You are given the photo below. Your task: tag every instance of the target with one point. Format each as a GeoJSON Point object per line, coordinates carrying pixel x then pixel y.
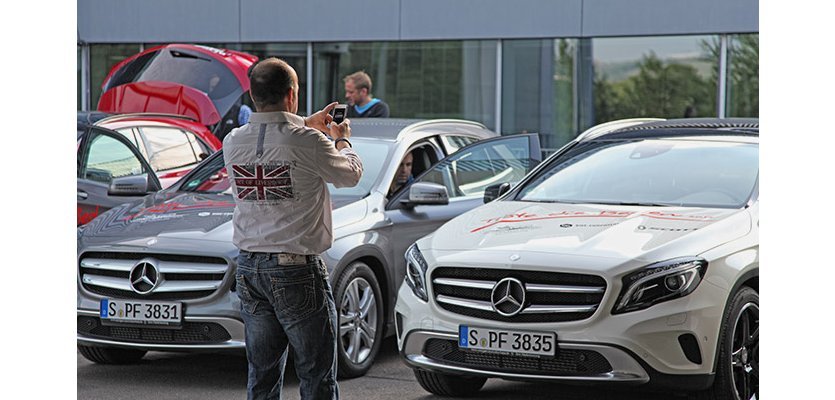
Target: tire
{"type": "Point", "coordinates": [449, 385]}
{"type": "Point", "coordinates": [110, 355]}
{"type": "Point", "coordinates": [737, 370]}
{"type": "Point", "coordinates": [359, 308]}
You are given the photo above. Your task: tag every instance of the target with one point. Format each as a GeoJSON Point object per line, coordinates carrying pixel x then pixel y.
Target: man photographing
{"type": "Point", "coordinates": [279, 164]}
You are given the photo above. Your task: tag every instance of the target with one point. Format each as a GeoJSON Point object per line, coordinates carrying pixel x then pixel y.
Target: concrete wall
{"type": "Point", "coordinates": [147, 21]}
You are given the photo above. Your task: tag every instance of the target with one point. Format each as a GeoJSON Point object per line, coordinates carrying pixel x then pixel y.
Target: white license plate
{"type": "Point", "coordinates": [141, 312]}
{"type": "Point", "coordinates": [508, 341]}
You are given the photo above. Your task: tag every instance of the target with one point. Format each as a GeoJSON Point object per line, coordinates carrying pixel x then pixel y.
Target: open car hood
{"type": "Point", "coordinates": [160, 97]}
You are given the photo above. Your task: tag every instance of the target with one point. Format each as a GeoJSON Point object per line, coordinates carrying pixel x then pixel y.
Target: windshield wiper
{"type": "Point", "coordinates": [611, 203]}
{"type": "Point", "coordinates": [556, 201]}
{"type": "Point", "coordinates": [628, 203]}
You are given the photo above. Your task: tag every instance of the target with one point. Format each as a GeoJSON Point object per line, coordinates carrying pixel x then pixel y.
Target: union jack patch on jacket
{"type": "Point", "coordinates": [263, 182]}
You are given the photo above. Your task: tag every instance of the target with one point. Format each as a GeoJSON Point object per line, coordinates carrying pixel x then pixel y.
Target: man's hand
{"type": "Point", "coordinates": [342, 130]}
{"type": "Point", "coordinates": [320, 119]}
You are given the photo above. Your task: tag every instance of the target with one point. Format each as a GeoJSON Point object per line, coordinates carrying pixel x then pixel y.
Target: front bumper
{"type": "Point", "coordinates": [639, 347]}
{"type": "Point", "coordinates": [624, 369]}
{"type": "Point", "coordinates": [211, 317]}
{"type": "Point", "coordinates": [199, 334]}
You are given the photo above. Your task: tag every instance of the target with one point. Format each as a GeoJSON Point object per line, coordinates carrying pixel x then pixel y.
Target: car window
{"type": "Point", "coordinates": [108, 158]}
{"type": "Point", "coordinates": [132, 135]}
{"type": "Point", "coordinates": [374, 155]}
{"type": "Point", "coordinates": [198, 146]}
{"type": "Point", "coordinates": [453, 143]}
{"type": "Point", "coordinates": [170, 148]}
{"type": "Point", "coordinates": [420, 157]}
{"type": "Point", "coordinates": [210, 177]}
{"type": "Point", "coordinates": [686, 173]}
{"type": "Point", "coordinates": [468, 172]}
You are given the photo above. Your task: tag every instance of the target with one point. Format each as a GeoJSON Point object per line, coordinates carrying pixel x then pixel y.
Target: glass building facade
{"type": "Point", "coordinates": [554, 87]}
{"type": "Point", "coordinates": [540, 91]}
{"type": "Point", "coordinates": [665, 77]}
{"type": "Point", "coordinates": [439, 79]}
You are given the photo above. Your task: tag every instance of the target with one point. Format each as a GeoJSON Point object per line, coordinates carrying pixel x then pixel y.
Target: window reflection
{"type": "Point", "coordinates": [449, 79]}
{"type": "Point", "coordinates": [539, 89]}
{"type": "Point", "coordinates": [743, 76]}
{"type": "Point", "coordinates": [665, 77]}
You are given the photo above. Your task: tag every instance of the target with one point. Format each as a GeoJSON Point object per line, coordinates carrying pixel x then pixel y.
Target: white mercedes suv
{"type": "Point", "coordinates": [629, 256]}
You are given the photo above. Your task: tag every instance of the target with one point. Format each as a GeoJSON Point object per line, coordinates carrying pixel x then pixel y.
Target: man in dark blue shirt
{"type": "Point", "coordinates": [358, 96]}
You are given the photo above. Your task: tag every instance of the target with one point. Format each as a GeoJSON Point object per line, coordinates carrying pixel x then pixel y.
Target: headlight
{"type": "Point", "coordinates": [416, 272]}
{"type": "Point", "coordinates": [660, 282]}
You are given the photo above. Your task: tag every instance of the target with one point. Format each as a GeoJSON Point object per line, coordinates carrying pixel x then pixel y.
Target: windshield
{"type": "Point", "coordinates": [211, 176]}
{"type": "Point", "coordinates": [687, 173]}
{"type": "Point", "coordinates": [374, 155]}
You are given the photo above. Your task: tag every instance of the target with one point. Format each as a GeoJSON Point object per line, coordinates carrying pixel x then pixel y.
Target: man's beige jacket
{"type": "Point", "coordinates": [279, 169]}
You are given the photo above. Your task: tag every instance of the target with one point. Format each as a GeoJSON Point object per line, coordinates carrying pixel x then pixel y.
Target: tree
{"type": "Point", "coordinates": [564, 97]}
{"type": "Point", "coordinates": [744, 76]}
{"type": "Point", "coordinates": [742, 98]}
{"type": "Point", "coordinates": [659, 89]}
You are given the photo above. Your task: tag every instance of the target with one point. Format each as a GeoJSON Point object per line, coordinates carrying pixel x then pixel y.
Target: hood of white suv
{"type": "Point", "coordinates": [623, 232]}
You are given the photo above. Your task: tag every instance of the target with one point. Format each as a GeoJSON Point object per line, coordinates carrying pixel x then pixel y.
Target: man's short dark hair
{"type": "Point", "coordinates": [269, 81]}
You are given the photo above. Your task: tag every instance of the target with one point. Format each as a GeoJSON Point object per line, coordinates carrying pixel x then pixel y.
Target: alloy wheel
{"type": "Point", "coordinates": [358, 320]}
{"type": "Point", "coordinates": [745, 353]}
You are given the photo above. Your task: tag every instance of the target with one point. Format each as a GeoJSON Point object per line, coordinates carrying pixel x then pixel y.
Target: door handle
{"type": "Point", "coordinates": [82, 195]}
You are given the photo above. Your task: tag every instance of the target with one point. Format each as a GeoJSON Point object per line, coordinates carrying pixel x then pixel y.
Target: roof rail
{"type": "Point", "coordinates": [611, 126]}
{"type": "Point", "coordinates": [134, 115]}
{"type": "Point", "coordinates": [418, 125]}
{"type": "Point", "coordinates": [698, 123]}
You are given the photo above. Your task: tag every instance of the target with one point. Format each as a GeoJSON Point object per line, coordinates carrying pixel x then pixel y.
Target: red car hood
{"type": "Point", "coordinates": [160, 97]}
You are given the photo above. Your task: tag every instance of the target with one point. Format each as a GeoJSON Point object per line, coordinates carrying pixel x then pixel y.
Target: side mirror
{"type": "Point", "coordinates": [425, 193]}
{"type": "Point", "coordinates": [493, 192]}
{"type": "Point", "coordinates": [136, 185]}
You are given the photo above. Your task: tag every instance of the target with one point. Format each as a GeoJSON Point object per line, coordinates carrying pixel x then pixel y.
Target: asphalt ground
{"type": "Point", "coordinates": [223, 376]}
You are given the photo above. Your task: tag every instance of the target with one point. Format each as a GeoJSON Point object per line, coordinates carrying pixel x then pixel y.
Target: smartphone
{"type": "Point", "coordinates": [339, 113]}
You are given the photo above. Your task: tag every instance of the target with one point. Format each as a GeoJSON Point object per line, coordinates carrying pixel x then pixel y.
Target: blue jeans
{"type": "Point", "coordinates": [281, 305]}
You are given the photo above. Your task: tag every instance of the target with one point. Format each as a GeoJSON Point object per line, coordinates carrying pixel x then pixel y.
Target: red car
{"type": "Point", "coordinates": [156, 149]}
{"type": "Point", "coordinates": [173, 145]}
{"type": "Point", "coordinates": [201, 82]}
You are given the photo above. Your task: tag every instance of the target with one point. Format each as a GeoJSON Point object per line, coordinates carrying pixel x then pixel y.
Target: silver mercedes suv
{"type": "Point", "coordinates": [158, 273]}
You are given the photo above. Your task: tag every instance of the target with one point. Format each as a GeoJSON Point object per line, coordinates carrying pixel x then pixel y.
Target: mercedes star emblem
{"type": "Point", "coordinates": [508, 297]}
{"type": "Point", "coordinates": [144, 276]}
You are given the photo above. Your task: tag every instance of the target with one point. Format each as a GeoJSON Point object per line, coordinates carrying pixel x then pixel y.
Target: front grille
{"type": "Point", "coordinates": [181, 277]}
{"type": "Point", "coordinates": [566, 362]}
{"type": "Point", "coordinates": [123, 294]}
{"type": "Point", "coordinates": [159, 256]}
{"type": "Point", "coordinates": [190, 333]}
{"type": "Point", "coordinates": [549, 296]}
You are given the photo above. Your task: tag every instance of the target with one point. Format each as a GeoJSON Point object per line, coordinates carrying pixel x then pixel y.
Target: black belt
{"type": "Point", "coordinates": [288, 258]}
